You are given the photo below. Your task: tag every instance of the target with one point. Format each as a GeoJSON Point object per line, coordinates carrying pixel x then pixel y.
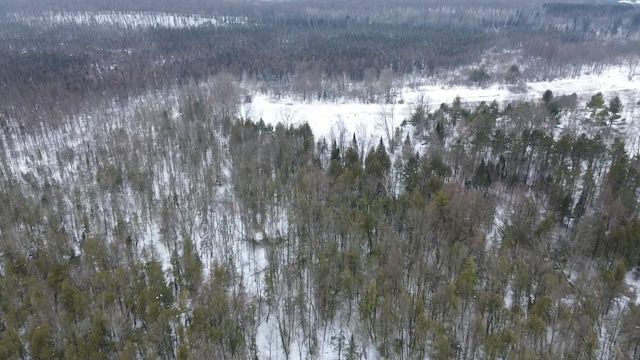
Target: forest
{"type": "Point", "coordinates": [147, 215]}
{"type": "Point", "coordinates": [61, 65]}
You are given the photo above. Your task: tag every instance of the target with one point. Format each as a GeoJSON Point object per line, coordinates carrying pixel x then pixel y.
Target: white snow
{"type": "Point", "coordinates": [633, 281]}
{"type": "Point", "coordinates": [325, 117]}
{"type": "Point", "coordinates": [127, 20]}
{"type": "Point", "coordinates": [500, 217]}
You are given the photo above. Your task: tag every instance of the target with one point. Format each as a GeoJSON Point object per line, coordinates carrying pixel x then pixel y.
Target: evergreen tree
{"type": "Point", "coordinates": [615, 108]}
{"type": "Point", "coordinates": [598, 109]}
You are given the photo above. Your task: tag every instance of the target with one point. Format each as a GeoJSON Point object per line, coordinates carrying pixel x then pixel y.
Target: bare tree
{"type": "Point", "coordinates": [386, 84]}
{"type": "Point", "coordinates": [633, 65]}
{"type": "Point", "coordinates": [385, 122]}
{"type": "Point", "coordinates": [226, 95]}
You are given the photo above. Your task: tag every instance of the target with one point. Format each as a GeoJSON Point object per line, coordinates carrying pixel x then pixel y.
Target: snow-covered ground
{"type": "Point", "coordinates": [633, 281]}
{"type": "Point", "coordinates": [356, 117]}
{"type": "Point", "coordinates": [127, 20]}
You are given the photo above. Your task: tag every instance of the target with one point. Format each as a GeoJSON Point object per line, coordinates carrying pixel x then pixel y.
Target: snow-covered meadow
{"type": "Point", "coordinates": [325, 117]}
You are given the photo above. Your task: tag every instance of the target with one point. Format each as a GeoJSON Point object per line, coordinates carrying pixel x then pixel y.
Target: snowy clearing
{"type": "Point", "coordinates": [325, 117]}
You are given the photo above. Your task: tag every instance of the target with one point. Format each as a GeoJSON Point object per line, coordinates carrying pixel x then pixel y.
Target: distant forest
{"type": "Point", "coordinates": [57, 65]}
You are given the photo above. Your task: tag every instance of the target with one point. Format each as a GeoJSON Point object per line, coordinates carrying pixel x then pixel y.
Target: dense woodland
{"type": "Point", "coordinates": [143, 217]}
{"type": "Point", "coordinates": [177, 231]}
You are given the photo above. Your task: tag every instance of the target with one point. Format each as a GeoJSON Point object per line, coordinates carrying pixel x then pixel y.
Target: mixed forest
{"type": "Point", "coordinates": [146, 216]}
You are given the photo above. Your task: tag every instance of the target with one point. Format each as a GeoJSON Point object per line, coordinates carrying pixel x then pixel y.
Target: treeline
{"type": "Point", "coordinates": [69, 65]}
{"type": "Point", "coordinates": [242, 8]}
{"type": "Point", "coordinates": [307, 46]}
{"type": "Point", "coordinates": [273, 53]}
{"type": "Point", "coordinates": [180, 231]}
{"type": "Point", "coordinates": [589, 9]}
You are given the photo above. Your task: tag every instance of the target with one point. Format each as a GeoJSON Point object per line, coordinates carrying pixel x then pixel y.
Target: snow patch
{"type": "Point", "coordinates": [127, 20]}
{"type": "Point", "coordinates": [633, 281]}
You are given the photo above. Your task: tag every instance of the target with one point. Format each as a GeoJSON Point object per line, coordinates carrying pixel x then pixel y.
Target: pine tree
{"type": "Point", "coordinates": [335, 161]}
{"type": "Point", "coordinates": [411, 173]}
{"type": "Point", "coordinates": [547, 97]}
{"type": "Point", "coordinates": [597, 108]}
{"type": "Point", "coordinates": [615, 108]}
